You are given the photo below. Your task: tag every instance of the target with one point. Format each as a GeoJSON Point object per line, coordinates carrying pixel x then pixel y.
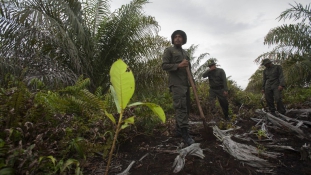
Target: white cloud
{"type": "Point", "coordinates": [231, 31]}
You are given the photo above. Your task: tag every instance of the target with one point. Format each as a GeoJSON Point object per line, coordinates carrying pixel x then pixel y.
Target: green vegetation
{"type": "Point", "coordinates": [57, 41]}
{"type": "Point", "coordinates": [261, 133]}
{"type": "Point", "coordinates": [260, 149]}
{"type": "Point", "coordinates": [62, 96]}
{"type": "Point", "coordinates": [122, 89]}
{"type": "Point", "coordinates": [291, 48]}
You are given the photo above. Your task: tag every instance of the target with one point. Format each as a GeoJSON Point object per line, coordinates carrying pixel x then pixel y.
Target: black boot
{"type": "Point", "coordinates": [185, 135]}
{"type": "Point", "coordinates": [227, 118]}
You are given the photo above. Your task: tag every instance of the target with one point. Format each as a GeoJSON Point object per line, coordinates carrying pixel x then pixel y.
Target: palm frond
{"type": "Point", "coordinates": [293, 35]}
{"type": "Point", "coordinates": [94, 13]}
{"type": "Point", "coordinates": [197, 65]}
{"type": "Point", "coordinates": [80, 85]}
{"type": "Point", "coordinates": [125, 35]}
{"type": "Point", "coordinates": [149, 76]}
{"type": "Point", "coordinates": [255, 81]}
{"type": "Point", "coordinates": [46, 36]}
{"type": "Point", "coordinates": [297, 70]}
{"type": "Point", "coordinates": [54, 40]}
{"type": "Point", "coordinates": [293, 45]}
{"type": "Point", "coordinates": [297, 11]}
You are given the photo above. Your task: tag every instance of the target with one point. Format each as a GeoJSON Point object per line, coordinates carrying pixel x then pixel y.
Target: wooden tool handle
{"type": "Point", "coordinates": [195, 92]}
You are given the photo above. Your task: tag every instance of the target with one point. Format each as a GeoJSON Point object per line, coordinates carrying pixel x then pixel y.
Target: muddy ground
{"type": "Point", "coordinates": [160, 150]}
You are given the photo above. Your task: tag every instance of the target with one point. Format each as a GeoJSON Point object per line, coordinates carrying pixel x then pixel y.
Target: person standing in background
{"type": "Point", "coordinates": [218, 87]}
{"type": "Point", "coordinates": [272, 86]}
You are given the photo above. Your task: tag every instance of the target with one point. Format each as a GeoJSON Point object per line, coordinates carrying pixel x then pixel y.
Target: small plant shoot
{"type": "Point", "coordinates": [122, 89]}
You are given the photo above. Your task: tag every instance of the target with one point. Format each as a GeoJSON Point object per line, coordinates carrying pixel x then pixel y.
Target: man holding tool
{"type": "Point", "coordinates": [218, 87]}
{"type": "Point", "coordinates": [175, 61]}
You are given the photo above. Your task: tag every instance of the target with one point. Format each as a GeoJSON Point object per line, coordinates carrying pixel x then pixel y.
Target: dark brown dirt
{"type": "Point", "coordinates": [162, 145]}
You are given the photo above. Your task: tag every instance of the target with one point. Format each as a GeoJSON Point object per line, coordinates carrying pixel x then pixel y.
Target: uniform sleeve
{"type": "Point", "coordinates": [224, 78]}
{"type": "Point", "coordinates": [264, 79]}
{"type": "Point", "coordinates": [166, 64]}
{"type": "Point", "coordinates": [205, 74]}
{"type": "Point", "coordinates": [281, 77]}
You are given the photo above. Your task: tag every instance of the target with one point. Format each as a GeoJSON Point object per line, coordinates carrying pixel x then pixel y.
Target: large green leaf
{"type": "Point", "coordinates": [115, 98]}
{"type": "Point", "coordinates": [154, 107]}
{"type": "Point", "coordinates": [7, 171]}
{"type": "Point", "coordinates": [122, 79]}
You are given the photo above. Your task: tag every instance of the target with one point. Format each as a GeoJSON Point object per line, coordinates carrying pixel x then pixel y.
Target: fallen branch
{"type": "Point", "coordinates": [265, 130]}
{"type": "Point", "coordinates": [257, 120]}
{"type": "Point", "coordinates": [245, 153]}
{"type": "Point", "coordinates": [127, 170]}
{"type": "Point", "coordinates": [300, 112]}
{"type": "Point", "coordinates": [299, 122]}
{"type": "Point", "coordinates": [280, 147]}
{"type": "Point", "coordinates": [281, 123]}
{"type": "Point", "coordinates": [179, 161]}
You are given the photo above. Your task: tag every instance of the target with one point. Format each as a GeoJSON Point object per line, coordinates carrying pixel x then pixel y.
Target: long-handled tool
{"type": "Point", "coordinates": [196, 98]}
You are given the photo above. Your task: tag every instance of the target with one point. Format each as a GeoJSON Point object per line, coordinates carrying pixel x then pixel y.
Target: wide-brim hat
{"type": "Point", "coordinates": [265, 61]}
{"type": "Point", "coordinates": [211, 63]}
{"type": "Point", "coordinates": [180, 32]}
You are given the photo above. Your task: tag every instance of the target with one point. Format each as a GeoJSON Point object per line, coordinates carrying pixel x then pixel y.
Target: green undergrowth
{"type": "Point", "coordinates": [54, 131]}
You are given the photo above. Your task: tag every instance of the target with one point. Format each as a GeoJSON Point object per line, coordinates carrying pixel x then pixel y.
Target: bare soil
{"type": "Point", "coordinates": [161, 147]}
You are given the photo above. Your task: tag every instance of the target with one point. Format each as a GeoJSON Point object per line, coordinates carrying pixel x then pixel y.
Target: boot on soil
{"type": "Point", "coordinates": [227, 118]}
{"type": "Point", "coordinates": [185, 135]}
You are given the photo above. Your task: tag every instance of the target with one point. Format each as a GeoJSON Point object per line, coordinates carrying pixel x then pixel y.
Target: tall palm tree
{"type": "Point", "coordinates": [126, 34]}
{"type": "Point", "coordinates": [57, 41]}
{"type": "Point", "coordinates": [197, 67]}
{"type": "Point", "coordinates": [47, 38]}
{"type": "Point", "coordinates": [293, 45]}
{"type": "Point", "coordinates": [149, 76]}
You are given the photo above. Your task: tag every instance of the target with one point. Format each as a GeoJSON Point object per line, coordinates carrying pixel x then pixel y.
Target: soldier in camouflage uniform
{"type": "Point", "coordinates": [174, 61]}
{"type": "Point", "coordinates": [218, 87]}
{"type": "Point", "coordinates": [273, 84]}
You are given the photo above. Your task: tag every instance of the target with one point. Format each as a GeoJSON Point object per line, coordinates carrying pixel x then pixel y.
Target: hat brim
{"type": "Point", "coordinates": [266, 63]}
{"type": "Point", "coordinates": [211, 64]}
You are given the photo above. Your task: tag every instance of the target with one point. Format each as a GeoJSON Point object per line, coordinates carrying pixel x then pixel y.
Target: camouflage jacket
{"type": "Point", "coordinates": [217, 79]}
{"type": "Point", "coordinates": [273, 77]}
{"type": "Point", "coordinates": [172, 56]}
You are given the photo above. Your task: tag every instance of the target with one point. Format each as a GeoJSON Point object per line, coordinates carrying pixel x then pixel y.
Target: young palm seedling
{"type": "Point", "coordinates": [122, 89]}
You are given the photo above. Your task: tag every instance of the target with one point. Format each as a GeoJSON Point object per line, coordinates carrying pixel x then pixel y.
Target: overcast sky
{"type": "Point", "coordinates": [230, 31]}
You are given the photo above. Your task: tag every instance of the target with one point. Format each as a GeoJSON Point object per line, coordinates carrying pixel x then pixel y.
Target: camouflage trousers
{"type": "Point", "coordinates": [181, 103]}
{"type": "Point", "coordinates": [213, 94]}
{"type": "Point", "coordinates": [274, 95]}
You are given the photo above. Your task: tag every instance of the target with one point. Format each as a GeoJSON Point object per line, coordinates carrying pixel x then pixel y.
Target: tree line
{"type": "Point", "coordinates": [55, 58]}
